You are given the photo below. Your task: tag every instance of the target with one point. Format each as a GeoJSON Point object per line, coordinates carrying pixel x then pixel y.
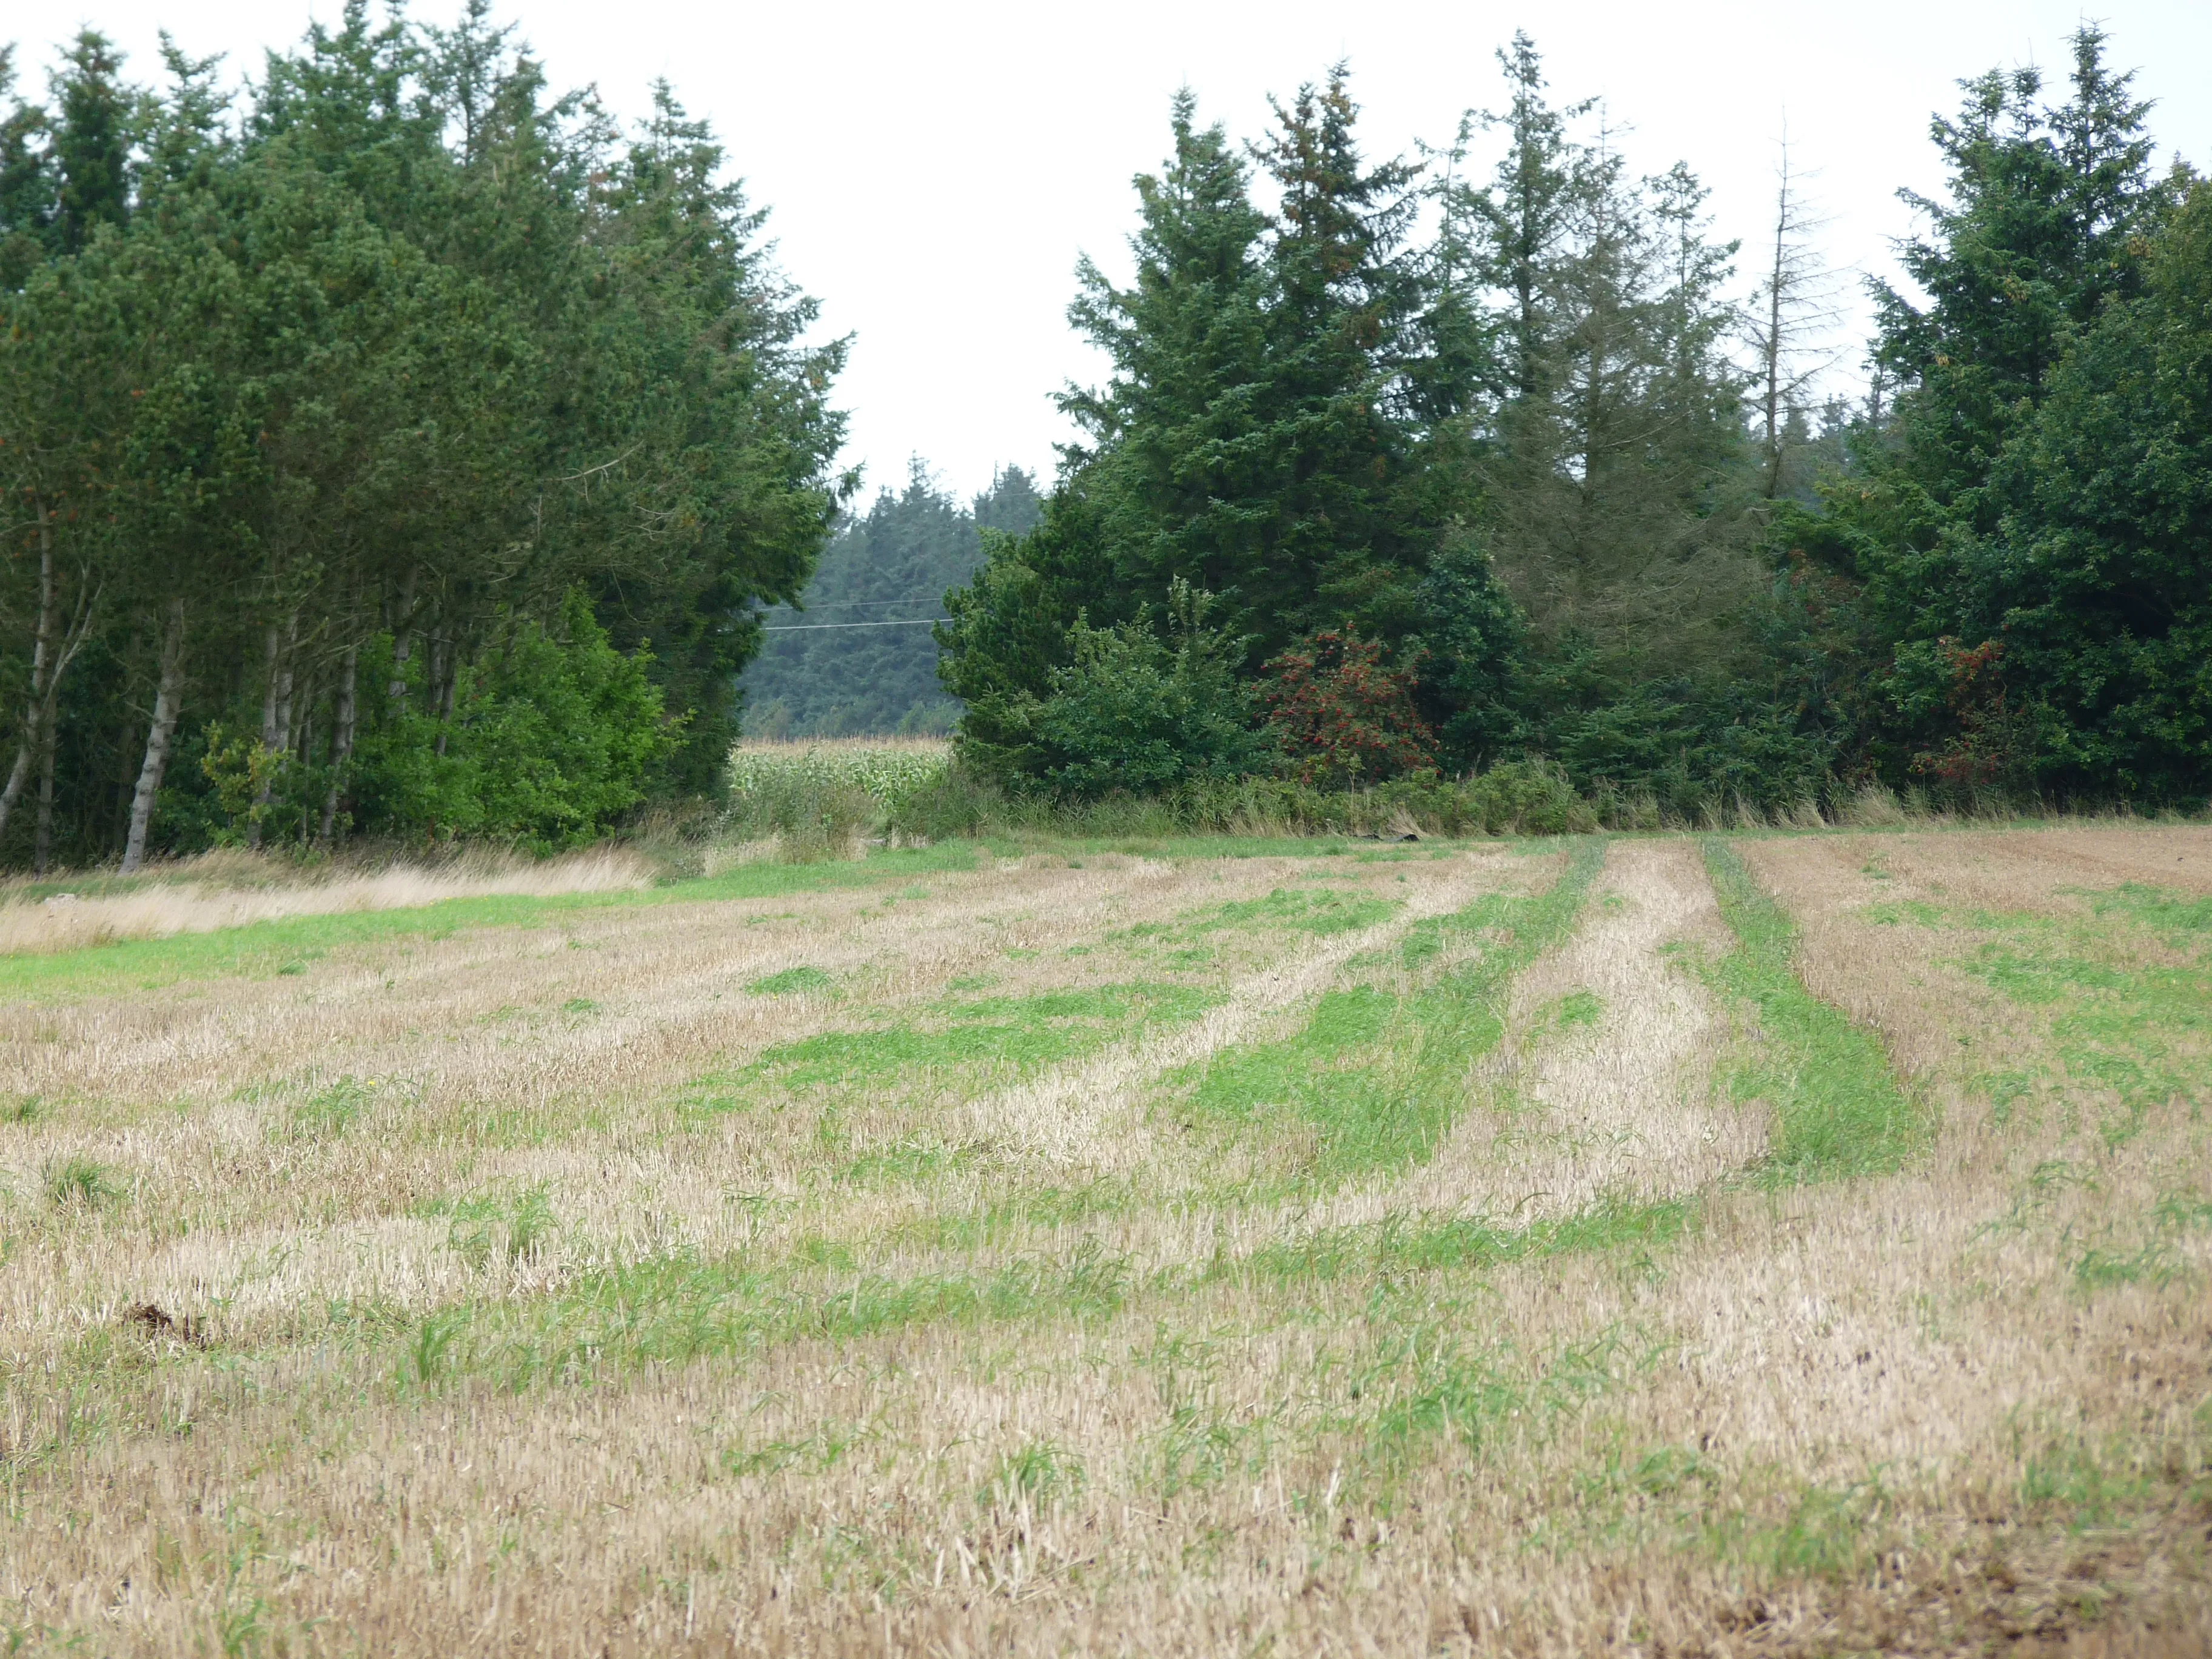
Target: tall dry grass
{"type": "Point", "coordinates": [230, 890]}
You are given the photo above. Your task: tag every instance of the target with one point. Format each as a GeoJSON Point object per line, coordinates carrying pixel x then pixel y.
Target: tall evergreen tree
{"type": "Point", "coordinates": [1270, 432]}
{"type": "Point", "coordinates": [2041, 226]}
{"type": "Point", "coordinates": [1611, 475]}
{"type": "Point", "coordinates": [2050, 214]}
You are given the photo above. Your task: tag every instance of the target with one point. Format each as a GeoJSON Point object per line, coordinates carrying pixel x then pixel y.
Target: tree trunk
{"type": "Point", "coordinates": [168, 699]}
{"type": "Point", "coordinates": [300, 739]}
{"type": "Point", "coordinates": [270, 641]}
{"type": "Point", "coordinates": [42, 840]}
{"type": "Point", "coordinates": [119, 828]}
{"type": "Point", "coordinates": [42, 655]}
{"type": "Point", "coordinates": [403, 641]}
{"type": "Point", "coordinates": [51, 651]}
{"type": "Point", "coordinates": [276, 719]}
{"type": "Point", "coordinates": [340, 740]}
{"type": "Point", "coordinates": [440, 689]}
{"type": "Point", "coordinates": [1777, 282]}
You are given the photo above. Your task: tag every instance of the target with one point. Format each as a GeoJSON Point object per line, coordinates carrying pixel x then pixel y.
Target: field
{"type": "Point", "coordinates": [1747, 1244]}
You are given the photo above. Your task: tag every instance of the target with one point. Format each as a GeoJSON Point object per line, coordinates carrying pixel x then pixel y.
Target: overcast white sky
{"type": "Point", "coordinates": [934, 170]}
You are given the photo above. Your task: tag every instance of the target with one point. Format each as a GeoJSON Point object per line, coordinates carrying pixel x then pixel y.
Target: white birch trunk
{"type": "Point", "coordinates": [168, 696]}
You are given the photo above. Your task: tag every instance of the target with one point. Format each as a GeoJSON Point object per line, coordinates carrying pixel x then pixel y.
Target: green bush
{"type": "Point", "coordinates": [1130, 714]}
{"type": "Point", "coordinates": [549, 743]}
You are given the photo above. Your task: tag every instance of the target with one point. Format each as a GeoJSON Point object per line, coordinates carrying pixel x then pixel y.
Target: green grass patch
{"type": "Point", "coordinates": [1838, 1109]}
{"type": "Point", "coordinates": [1832, 1532]}
{"type": "Point", "coordinates": [968, 1039]}
{"type": "Point", "coordinates": [332, 1109]}
{"type": "Point", "coordinates": [792, 982]}
{"type": "Point", "coordinates": [1378, 1074]}
{"type": "Point", "coordinates": [78, 1183]}
{"type": "Point", "coordinates": [675, 1311]}
{"type": "Point", "coordinates": [1399, 1245]}
{"type": "Point", "coordinates": [2086, 1481]}
{"type": "Point", "coordinates": [2139, 1032]}
{"type": "Point", "coordinates": [1319, 911]}
{"type": "Point", "coordinates": [1023, 1033]}
{"type": "Point", "coordinates": [2183, 921]}
{"type": "Point", "coordinates": [995, 1220]}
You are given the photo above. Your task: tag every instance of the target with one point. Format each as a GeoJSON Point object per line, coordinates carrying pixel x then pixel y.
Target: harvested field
{"type": "Point", "coordinates": [1790, 1244]}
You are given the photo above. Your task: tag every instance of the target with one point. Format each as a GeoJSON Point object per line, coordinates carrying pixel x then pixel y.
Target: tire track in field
{"type": "Point", "coordinates": [1610, 1099]}
{"type": "Point", "coordinates": [1092, 1115]}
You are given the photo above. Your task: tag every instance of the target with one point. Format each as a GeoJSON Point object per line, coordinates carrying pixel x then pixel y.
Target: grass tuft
{"type": "Point", "coordinates": [792, 982]}
{"type": "Point", "coordinates": [80, 1183]}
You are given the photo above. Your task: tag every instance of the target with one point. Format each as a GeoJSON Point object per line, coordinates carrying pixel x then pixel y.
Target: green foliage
{"type": "Point", "coordinates": [80, 1183]}
{"type": "Point", "coordinates": [1551, 517]}
{"type": "Point", "coordinates": [1129, 712]}
{"type": "Point", "coordinates": [370, 372]}
{"type": "Point", "coordinates": [2094, 589]}
{"type": "Point", "coordinates": [481, 1230]}
{"type": "Point", "coordinates": [1515, 797]}
{"type": "Point", "coordinates": [332, 1109]}
{"type": "Point", "coordinates": [1691, 748]}
{"type": "Point", "coordinates": [1471, 658]}
{"type": "Point", "coordinates": [1246, 444]}
{"type": "Point", "coordinates": [549, 744]}
{"type": "Point", "coordinates": [1511, 464]}
{"type": "Point", "coordinates": [1616, 501]}
{"type": "Point", "coordinates": [816, 799]}
{"type": "Point", "coordinates": [2009, 594]}
{"type": "Point", "coordinates": [1242, 442]}
{"type": "Point", "coordinates": [1039, 1474]}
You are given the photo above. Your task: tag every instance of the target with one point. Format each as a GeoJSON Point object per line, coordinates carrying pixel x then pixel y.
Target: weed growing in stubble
{"type": "Point", "coordinates": [78, 1183]}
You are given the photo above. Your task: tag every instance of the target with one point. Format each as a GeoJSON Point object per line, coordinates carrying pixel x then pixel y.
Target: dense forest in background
{"type": "Point", "coordinates": [396, 447]}
{"type": "Point", "coordinates": [853, 662]}
{"type": "Point", "coordinates": [1400, 467]}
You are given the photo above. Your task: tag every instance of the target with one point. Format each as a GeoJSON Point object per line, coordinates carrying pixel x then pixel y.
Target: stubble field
{"type": "Point", "coordinates": [1758, 1244]}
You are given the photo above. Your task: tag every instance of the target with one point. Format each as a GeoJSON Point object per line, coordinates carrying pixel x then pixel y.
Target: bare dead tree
{"type": "Point", "coordinates": [1793, 315]}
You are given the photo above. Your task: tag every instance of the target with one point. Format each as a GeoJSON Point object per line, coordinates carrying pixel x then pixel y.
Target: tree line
{"type": "Point", "coordinates": [855, 657]}
{"type": "Point", "coordinates": [393, 446]}
{"type": "Point", "coordinates": [1402, 465]}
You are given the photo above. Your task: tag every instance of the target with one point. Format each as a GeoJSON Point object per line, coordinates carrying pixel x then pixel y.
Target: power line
{"type": "Point", "coordinates": [807, 628]}
{"type": "Point", "coordinates": [851, 604]}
